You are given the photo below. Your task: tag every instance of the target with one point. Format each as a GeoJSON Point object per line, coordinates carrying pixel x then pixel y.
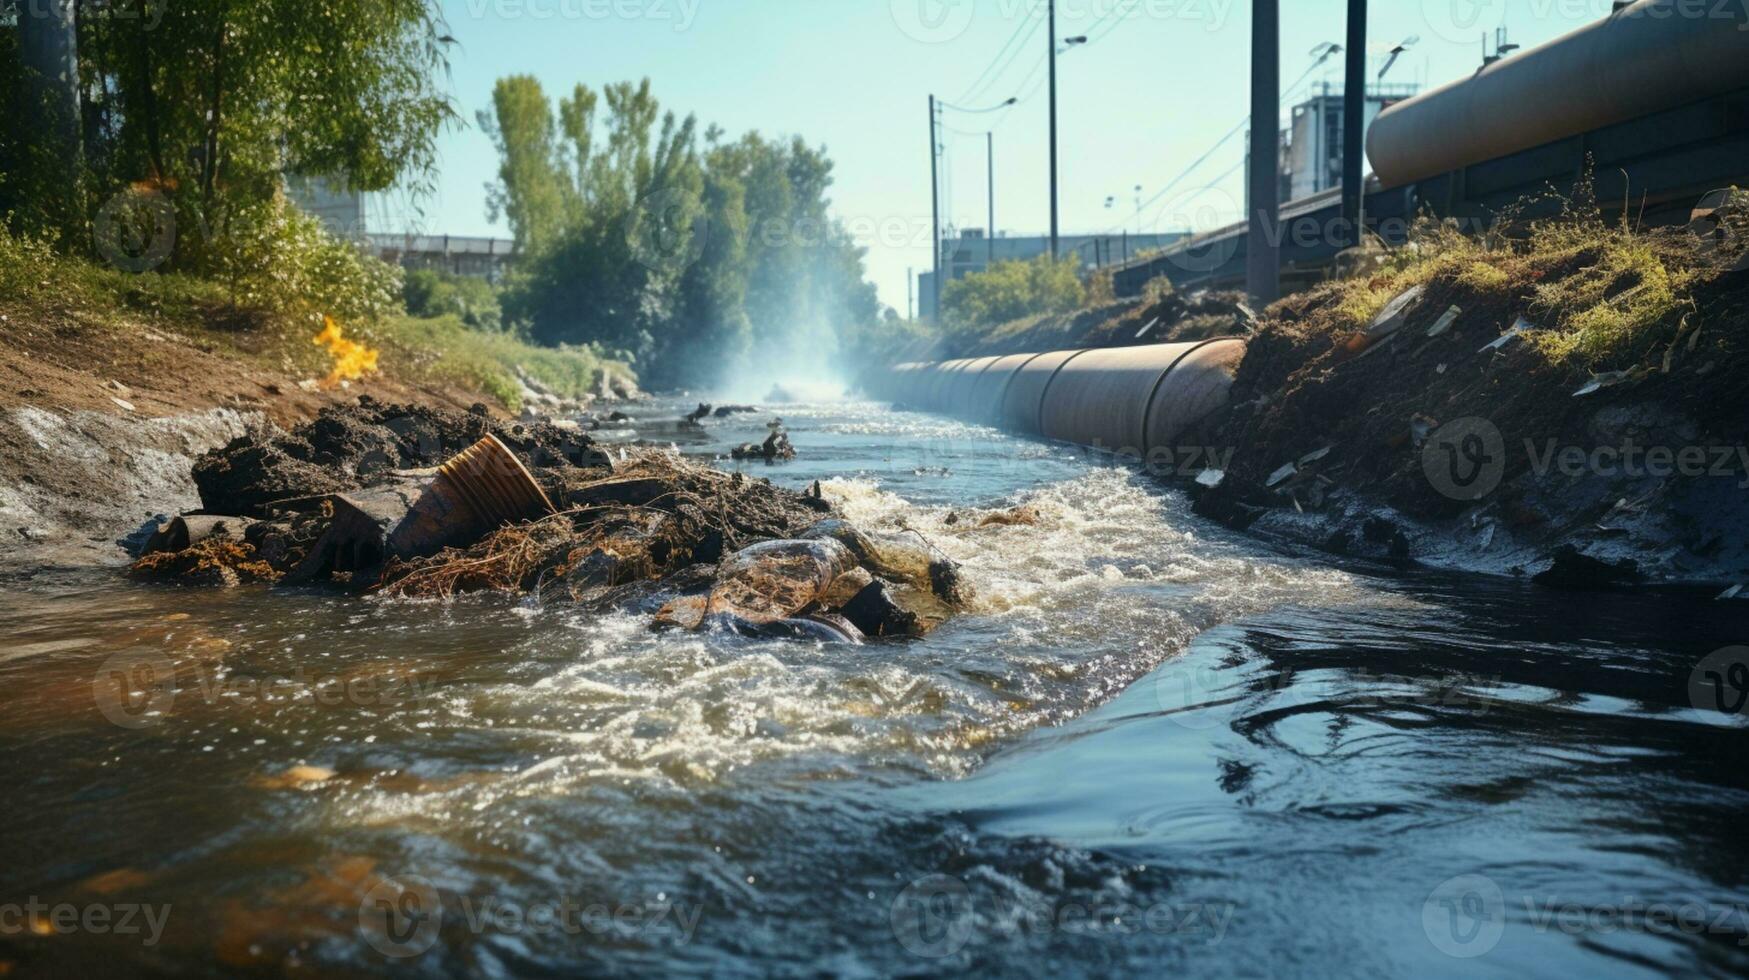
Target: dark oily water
{"type": "Point", "coordinates": [1151, 747]}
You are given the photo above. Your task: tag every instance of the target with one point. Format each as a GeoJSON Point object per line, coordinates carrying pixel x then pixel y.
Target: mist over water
{"type": "Point", "coordinates": [1148, 746]}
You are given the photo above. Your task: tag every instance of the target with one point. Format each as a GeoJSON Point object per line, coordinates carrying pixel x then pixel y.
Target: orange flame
{"type": "Point", "coordinates": [352, 360]}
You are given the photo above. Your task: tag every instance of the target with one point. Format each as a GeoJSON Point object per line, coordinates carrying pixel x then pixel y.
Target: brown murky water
{"type": "Point", "coordinates": [1150, 747]}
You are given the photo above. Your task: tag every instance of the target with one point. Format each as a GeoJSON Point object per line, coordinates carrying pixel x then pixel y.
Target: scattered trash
{"type": "Point", "coordinates": [1445, 322]}
{"type": "Point", "coordinates": [776, 446]}
{"type": "Point", "coordinates": [1150, 325]}
{"type": "Point", "coordinates": [122, 404]}
{"type": "Point", "coordinates": [1017, 516]}
{"type": "Point", "coordinates": [1575, 571]}
{"type": "Point", "coordinates": [1211, 478]}
{"type": "Point", "coordinates": [1420, 427]}
{"type": "Point", "coordinates": [1313, 457]}
{"type": "Point", "coordinates": [1610, 379]}
{"type": "Point", "coordinates": [1732, 592]}
{"type": "Point", "coordinates": [1518, 330]}
{"type": "Point", "coordinates": [1395, 314]}
{"type": "Point", "coordinates": [1281, 475]}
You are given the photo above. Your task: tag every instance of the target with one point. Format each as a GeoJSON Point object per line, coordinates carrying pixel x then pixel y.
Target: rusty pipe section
{"type": "Point", "coordinates": [1127, 400]}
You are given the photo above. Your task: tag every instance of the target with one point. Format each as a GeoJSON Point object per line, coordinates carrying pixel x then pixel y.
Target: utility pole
{"type": "Point", "coordinates": [910, 295]}
{"type": "Point", "coordinates": [1051, 39]}
{"type": "Point", "coordinates": [1262, 250]}
{"type": "Point", "coordinates": [1354, 126]}
{"type": "Point", "coordinates": [990, 232]}
{"type": "Point", "coordinates": [935, 207]}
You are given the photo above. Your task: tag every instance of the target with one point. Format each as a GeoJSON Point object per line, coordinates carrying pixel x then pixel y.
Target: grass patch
{"type": "Point", "coordinates": [444, 348]}
{"type": "Point", "coordinates": [39, 284]}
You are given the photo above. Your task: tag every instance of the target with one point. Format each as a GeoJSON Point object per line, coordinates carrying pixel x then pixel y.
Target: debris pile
{"type": "Point", "coordinates": [775, 448]}
{"type": "Point", "coordinates": [412, 502]}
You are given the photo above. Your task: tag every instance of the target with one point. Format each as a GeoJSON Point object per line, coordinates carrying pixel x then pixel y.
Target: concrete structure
{"type": "Point", "coordinates": [1311, 146]}
{"type": "Point", "coordinates": [972, 251]}
{"type": "Point", "coordinates": [483, 258]}
{"type": "Point", "coordinates": [346, 213]}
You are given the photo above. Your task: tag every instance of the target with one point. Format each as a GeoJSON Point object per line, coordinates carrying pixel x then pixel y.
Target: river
{"type": "Point", "coordinates": [1151, 746]}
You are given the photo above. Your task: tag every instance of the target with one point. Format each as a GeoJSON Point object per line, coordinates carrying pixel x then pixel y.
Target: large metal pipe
{"type": "Point", "coordinates": [1121, 399]}
{"type": "Point", "coordinates": [1137, 401]}
{"type": "Point", "coordinates": [933, 391]}
{"type": "Point", "coordinates": [1195, 388]}
{"type": "Point", "coordinates": [1647, 56]}
{"type": "Point", "coordinates": [1025, 395]}
{"type": "Point", "coordinates": [985, 400]}
{"type": "Point", "coordinates": [963, 389]}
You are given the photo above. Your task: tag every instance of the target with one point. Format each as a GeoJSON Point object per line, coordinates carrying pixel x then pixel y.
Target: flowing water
{"type": "Point", "coordinates": [1150, 747]}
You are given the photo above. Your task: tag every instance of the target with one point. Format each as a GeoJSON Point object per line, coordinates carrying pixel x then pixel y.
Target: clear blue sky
{"type": "Point", "coordinates": [1161, 82]}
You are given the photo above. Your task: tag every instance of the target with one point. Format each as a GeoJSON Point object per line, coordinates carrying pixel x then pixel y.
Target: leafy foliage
{"type": "Point", "coordinates": [689, 254]}
{"type": "Point", "coordinates": [434, 293]}
{"type": "Point", "coordinates": [1011, 290]}
{"type": "Point", "coordinates": [207, 104]}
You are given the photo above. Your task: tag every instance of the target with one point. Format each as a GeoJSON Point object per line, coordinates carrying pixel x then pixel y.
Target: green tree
{"type": "Point", "coordinates": [207, 104]}
{"type": "Point", "coordinates": [1012, 290]}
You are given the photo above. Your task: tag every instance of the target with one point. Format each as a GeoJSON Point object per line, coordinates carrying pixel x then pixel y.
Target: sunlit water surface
{"type": "Point", "coordinates": [1150, 747]}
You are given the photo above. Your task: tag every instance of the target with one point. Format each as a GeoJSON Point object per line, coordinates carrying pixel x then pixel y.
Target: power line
{"type": "Point", "coordinates": [1006, 54]}
{"type": "Point", "coordinates": [1236, 130]}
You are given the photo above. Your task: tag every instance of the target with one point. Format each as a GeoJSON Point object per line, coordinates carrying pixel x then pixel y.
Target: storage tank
{"type": "Point", "coordinates": [1195, 388]}
{"type": "Point", "coordinates": [1104, 398]}
{"type": "Point", "coordinates": [1026, 392]}
{"type": "Point", "coordinates": [1646, 57]}
{"type": "Point", "coordinates": [963, 388]}
{"type": "Point", "coordinates": [984, 402]}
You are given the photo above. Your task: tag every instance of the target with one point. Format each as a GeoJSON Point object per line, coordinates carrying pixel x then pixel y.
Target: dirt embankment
{"type": "Point", "coordinates": [1434, 440]}
{"type": "Point", "coordinates": [99, 428]}
{"type": "Point", "coordinates": [1168, 319]}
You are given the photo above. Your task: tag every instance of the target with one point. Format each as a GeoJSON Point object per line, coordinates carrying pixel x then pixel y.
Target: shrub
{"type": "Point", "coordinates": [1008, 291]}
{"type": "Point", "coordinates": [273, 255]}
{"type": "Point", "coordinates": [431, 293]}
